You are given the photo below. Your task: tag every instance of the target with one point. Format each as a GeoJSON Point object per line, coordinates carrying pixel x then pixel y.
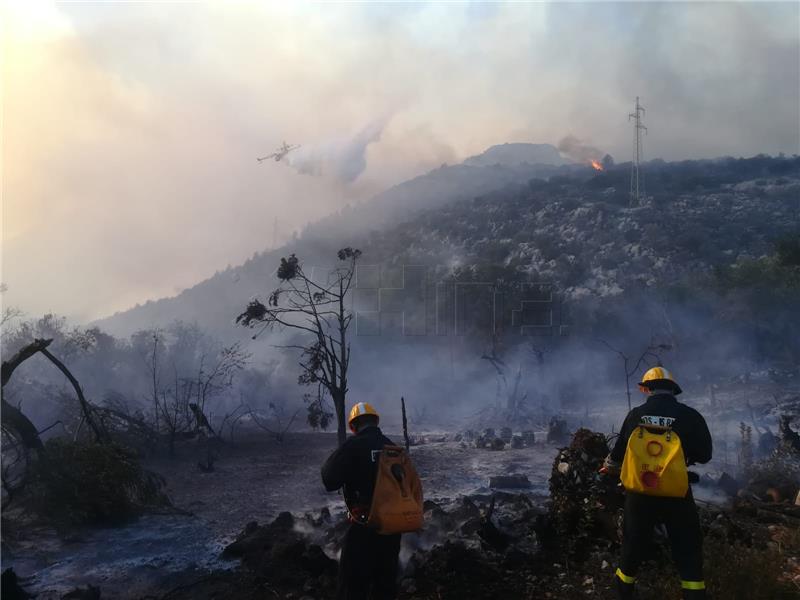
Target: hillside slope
{"type": "Point", "coordinates": [581, 232]}
{"type": "Point", "coordinates": [575, 229]}
{"type": "Point", "coordinates": [212, 301]}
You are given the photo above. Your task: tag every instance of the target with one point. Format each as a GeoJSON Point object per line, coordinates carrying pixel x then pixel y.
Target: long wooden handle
{"type": "Point", "coordinates": [405, 423]}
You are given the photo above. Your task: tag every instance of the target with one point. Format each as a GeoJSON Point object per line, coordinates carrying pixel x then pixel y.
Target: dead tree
{"type": "Point", "coordinates": [510, 391]}
{"type": "Point", "coordinates": [101, 436]}
{"type": "Point", "coordinates": [175, 408]}
{"type": "Point", "coordinates": [231, 419]}
{"type": "Point", "coordinates": [630, 368]}
{"type": "Point", "coordinates": [281, 424]}
{"type": "Point", "coordinates": [15, 419]}
{"type": "Point", "coordinates": [119, 421]}
{"type": "Point", "coordinates": [317, 309]}
{"type": "Point", "coordinates": [19, 433]}
{"type": "Point", "coordinates": [212, 381]}
{"type": "Point", "coordinates": [201, 420]}
{"type": "Point", "coordinates": [10, 312]}
{"type": "Point", "coordinates": [198, 375]}
{"type": "Point", "coordinates": [499, 366]}
{"type": "Point", "coordinates": [154, 374]}
{"type": "Point", "coordinates": [541, 354]}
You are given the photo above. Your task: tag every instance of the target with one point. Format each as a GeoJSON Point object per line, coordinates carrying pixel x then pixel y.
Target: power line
{"type": "Point", "coordinates": [637, 176]}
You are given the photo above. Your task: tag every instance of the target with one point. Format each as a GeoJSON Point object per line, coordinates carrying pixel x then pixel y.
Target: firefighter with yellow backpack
{"type": "Point", "coordinates": [383, 494]}
{"type": "Point", "coordinates": [656, 443]}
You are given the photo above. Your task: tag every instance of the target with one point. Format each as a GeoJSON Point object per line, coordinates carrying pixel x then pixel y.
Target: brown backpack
{"type": "Point", "coordinates": [397, 500]}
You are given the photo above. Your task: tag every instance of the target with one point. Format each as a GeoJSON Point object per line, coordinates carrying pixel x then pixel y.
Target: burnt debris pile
{"type": "Point", "coordinates": [775, 477]}
{"type": "Point", "coordinates": [490, 439]}
{"type": "Point", "coordinates": [468, 545]}
{"type": "Point", "coordinates": [279, 556]}
{"type": "Point", "coordinates": [584, 506]}
{"type": "Point", "coordinates": [504, 544]}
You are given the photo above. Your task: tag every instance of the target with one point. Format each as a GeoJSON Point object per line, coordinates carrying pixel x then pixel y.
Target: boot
{"type": "Point", "coordinates": [625, 591]}
{"type": "Point", "coordinates": [694, 594]}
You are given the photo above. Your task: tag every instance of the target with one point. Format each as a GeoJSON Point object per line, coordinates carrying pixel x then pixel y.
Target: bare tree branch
{"type": "Point", "coordinates": [319, 310]}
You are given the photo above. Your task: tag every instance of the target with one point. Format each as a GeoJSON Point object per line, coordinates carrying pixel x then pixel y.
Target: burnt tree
{"type": "Point", "coordinates": [19, 434]}
{"type": "Point", "coordinates": [631, 368]}
{"type": "Point", "coordinates": [201, 371]}
{"type": "Point", "coordinates": [319, 310]}
{"type": "Point", "coordinates": [14, 418]}
{"type": "Point", "coordinates": [514, 397]}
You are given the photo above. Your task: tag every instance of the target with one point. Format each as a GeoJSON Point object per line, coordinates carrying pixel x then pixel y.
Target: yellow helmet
{"type": "Point", "coordinates": [656, 376]}
{"type": "Point", "coordinates": [359, 410]}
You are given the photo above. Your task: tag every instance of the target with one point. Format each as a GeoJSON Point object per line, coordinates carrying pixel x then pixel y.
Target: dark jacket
{"type": "Point", "coordinates": [665, 410]}
{"type": "Point", "coordinates": [354, 466]}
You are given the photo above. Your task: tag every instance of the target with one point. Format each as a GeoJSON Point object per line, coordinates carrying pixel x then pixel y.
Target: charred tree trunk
{"type": "Point", "coordinates": [341, 425]}
{"type": "Point", "coordinates": [15, 420]}
{"type": "Point", "coordinates": [514, 402]}
{"type": "Point", "coordinates": [14, 417]}
{"type": "Point", "coordinates": [101, 436]}
{"type": "Point", "coordinates": [202, 421]}
{"type": "Point", "coordinates": [24, 354]}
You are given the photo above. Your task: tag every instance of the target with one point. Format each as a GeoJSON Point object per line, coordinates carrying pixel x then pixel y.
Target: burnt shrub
{"type": "Point", "coordinates": [84, 483]}
{"type": "Point", "coordinates": [740, 571]}
{"type": "Point", "coordinates": [749, 568]}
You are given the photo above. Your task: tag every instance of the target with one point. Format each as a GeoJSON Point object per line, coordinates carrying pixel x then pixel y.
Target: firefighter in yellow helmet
{"type": "Point", "coordinates": [656, 443]}
{"type": "Point", "coordinates": [369, 561]}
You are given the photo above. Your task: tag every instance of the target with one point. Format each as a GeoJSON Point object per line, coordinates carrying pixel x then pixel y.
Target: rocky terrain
{"type": "Point", "coordinates": [526, 518]}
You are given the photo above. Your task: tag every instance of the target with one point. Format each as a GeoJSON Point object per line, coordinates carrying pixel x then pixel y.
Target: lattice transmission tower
{"type": "Point", "coordinates": [637, 176]}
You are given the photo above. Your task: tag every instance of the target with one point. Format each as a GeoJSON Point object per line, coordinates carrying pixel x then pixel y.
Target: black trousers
{"type": "Point", "coordinates": [368, 565]}
{"type": "Point", "coordinates": [679, 516]}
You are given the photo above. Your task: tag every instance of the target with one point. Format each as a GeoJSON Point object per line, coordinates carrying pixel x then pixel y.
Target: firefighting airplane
{"type": "Point", "coordinates": [280, 153]}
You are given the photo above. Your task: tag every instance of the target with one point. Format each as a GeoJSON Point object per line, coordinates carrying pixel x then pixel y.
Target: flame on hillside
{"type": "Point", "coordinates": [596, 165]}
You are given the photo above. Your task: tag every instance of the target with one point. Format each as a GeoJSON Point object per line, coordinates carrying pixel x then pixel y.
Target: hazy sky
{"type": "Point", "coordinates": [130, 131]}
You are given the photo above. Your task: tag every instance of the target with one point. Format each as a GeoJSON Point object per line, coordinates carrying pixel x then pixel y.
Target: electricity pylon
{"type": "Point", "coordinates": [637, 177]}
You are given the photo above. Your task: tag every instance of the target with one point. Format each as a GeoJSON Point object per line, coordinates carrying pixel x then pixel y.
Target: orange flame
{"type": "Point", "coordinates": [596, 165]}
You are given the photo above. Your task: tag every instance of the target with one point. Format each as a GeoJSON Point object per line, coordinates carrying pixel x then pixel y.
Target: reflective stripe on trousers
{"type": "Point", "coordinates": [626, 578]}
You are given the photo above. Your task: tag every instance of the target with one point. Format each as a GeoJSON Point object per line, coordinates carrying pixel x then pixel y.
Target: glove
{"type": "Point", "coordinates": [610, 467]}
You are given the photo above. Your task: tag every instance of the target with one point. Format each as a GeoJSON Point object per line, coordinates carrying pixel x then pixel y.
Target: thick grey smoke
{"type": "Point", "coordinates": [343, 159]}
{"type": "Point", "coordinates": [168, 129]}
{"type": "Point", "coordinates": [575, 149]}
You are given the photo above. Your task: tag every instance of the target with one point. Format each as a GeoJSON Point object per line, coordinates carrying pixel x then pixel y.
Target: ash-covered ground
{"type": "Point", "coordinates": [181, 554]}
{"type": "Point", "coordinates": [254, 479]}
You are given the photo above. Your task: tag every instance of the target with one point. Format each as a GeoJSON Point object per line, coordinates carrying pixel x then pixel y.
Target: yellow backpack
{"type": "Point", "coordinates": [397, 500]}
{"type": "Point", "coordinates": [654, 463]}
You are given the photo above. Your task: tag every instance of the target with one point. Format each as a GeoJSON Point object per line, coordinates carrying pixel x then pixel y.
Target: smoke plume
{"type": "Point", "coordinates": [343, 159]}
{"type": "Point", "coordinates": [575, 149]}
